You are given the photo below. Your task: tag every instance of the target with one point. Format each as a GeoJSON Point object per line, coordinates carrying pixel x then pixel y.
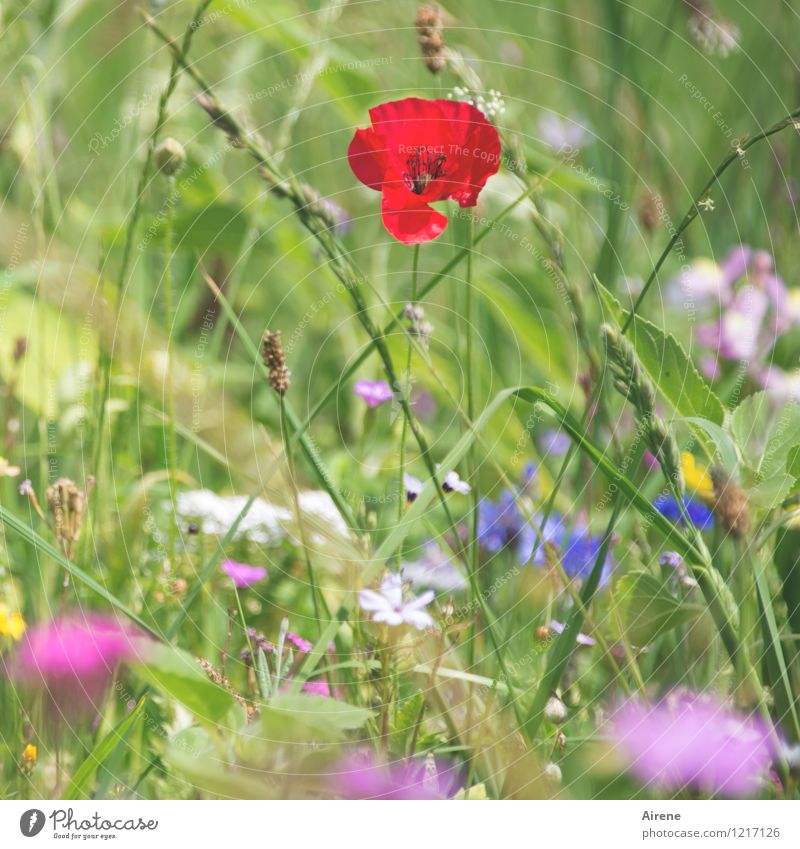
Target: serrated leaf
{"type": "Point", "coordinates": [176, 673]}
{"type": "Point", "coordinates": [783, 437]}
{"type": "Point", "coordinates": [649, 609]}
{"type": "Point", "coordinates": [722, 441]}
{"type": "Point", "coordinates": [668, 365]}
{"type": "Point", "coordinates": [768, 443]}
{"type": "Point", "coordinates": [772, 491]}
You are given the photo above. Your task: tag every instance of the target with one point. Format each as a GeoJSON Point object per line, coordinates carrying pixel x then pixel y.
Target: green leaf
{"type": "Point", "coordinates": [176, 673]}
{"type": "Point", "coordinates": [668, 365]}
{"type": "Point", "coordinates": [79, 786]}
{"type": "Point", "coordinates": [649, 609]}
{"type": "Point", "coordinates": [402, 727]}
{"type": "Point", "coordinates": [772, 491]}
{"type": "Point", "coordinates": [721, 440]}
{"type": "Point", "coordinates": [783, 438]}
{"type": "Point", "coordinates": [291, 718]}
{"type": "Point", "coordinates": [768, 444]}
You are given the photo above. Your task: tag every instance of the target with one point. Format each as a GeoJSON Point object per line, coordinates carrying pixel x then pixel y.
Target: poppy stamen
{"type": "Point", "coordinates": [424, 165]}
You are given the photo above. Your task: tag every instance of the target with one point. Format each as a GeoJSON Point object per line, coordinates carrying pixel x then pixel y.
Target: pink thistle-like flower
{"type": "Point", "coordinates": [373, 392]}
{"type": "Point", "coordinates": [362, 776]}
{"type": "Point", "coordinates": [74, 658]}
{"type": "Point", "coordinates": [298, 642]}
{"type": "Point", "coordinates": [690, 740]}
{"type": "Point", "coordinates": [321, 688]}
{"type": "Point", "coordinates": [242, 574]}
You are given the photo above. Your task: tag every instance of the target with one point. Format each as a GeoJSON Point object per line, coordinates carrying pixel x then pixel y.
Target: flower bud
{"type": "Point", "coordinates": [170, 157]}
{"type": "Point", "coordinates": [555, 711]}
{"type": "Point", "coordinates": [553, 772]}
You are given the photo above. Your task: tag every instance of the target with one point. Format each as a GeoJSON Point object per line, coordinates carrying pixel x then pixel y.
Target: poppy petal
{"type": "Point", "coordinates": [409, 220]}
{"type": "Point", "coordinates": [368, 158]}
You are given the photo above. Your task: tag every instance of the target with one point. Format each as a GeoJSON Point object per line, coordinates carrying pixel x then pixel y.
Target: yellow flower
{"type": "Point", "coordinates": [29, 755]}
{"type": "Point", "coordinates": [11, 626]}
{"type": "Point", "coordinates": [697, 478]}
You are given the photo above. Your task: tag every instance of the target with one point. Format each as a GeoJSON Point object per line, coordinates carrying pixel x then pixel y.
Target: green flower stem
{"type": "Point", "coordinates": [172, 444]}
{"type": "Point", "coordinates": [401, 472]}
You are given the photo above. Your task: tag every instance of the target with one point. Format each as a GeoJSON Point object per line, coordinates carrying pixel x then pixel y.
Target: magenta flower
{"type": "Point", "coordinates": [690, 740]}
{"type": "Point", "coordinates": [298, 642]}
{"type": "Point", "coordinates": [242, 574]}
{"type": "Point", "coordinates": [374, 392]}
{"type": "Point", "coordinates": [362, 776]}
{"type": "Point", "coordinates": [321, 688]}
{"type": "Point", "coordinates": [74, 657]}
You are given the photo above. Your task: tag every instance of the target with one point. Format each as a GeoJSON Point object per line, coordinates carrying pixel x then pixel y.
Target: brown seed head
{"type": "Point", "coordinates": [275, 361]}
{"type": "Point", "coordinates": [430, 31]}
{"type": "Point", "coordinates": [67, 505]}
{"type": "Point", "coordinates": [730, 506]}
{"type": "Point", "coordinates": [649, 212]}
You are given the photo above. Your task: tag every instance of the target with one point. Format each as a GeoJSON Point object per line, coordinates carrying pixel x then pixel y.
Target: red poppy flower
{"type": "Point", "coordinates": [420, 151]}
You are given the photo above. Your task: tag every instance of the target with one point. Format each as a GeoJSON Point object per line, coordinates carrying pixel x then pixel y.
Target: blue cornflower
{"type": "Point", "coordinates": [531, 546]}
{"type": "Point", "coordinates": [702, 518]}
{"type": "Point", "coordinates": [579, 554]}
{"type": "Point", "coordinates": [499, 523]}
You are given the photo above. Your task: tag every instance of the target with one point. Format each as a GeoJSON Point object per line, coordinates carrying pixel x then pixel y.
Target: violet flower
{"type": "Point", "coordinates": [321, 688]}
{"type": "Point", "coordinates": [362, 776]}
{"type": "Point", "coordinates": [690, 740]}
{"type": "Point", "coordinates": [373, 392]}
{"type": "Point", "coordinates": [242, 574]}
{"type": "Point", "coordinates": [388, 605]}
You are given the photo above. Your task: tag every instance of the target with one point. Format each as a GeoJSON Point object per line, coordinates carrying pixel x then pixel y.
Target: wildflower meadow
{"type": "Point", "coordinates": [399, 402]}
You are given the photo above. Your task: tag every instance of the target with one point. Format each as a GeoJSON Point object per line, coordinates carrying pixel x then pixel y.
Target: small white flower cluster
{"type": "Point", "coordinates": [264, 523]}
{"type": "Point", "coordinates": [492, 105]}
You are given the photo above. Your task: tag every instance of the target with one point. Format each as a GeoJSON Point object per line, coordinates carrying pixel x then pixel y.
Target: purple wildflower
{"type": "Point", "coordinates": [298, 642]}
{"type": "Point", "coordinates": [362, 776]}
{"type": "Point", "coordinates": [242, 574]}
{"type": "Point", "coordinates": [321, 688]}
{"type": "Point", "coordinates": [373, 392]}
{"type": "Point", "coordinates": [690, 740]}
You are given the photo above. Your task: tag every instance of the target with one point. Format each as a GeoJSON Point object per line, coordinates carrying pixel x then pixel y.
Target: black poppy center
{"type": "Point", "coordinates": [423, 164]}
